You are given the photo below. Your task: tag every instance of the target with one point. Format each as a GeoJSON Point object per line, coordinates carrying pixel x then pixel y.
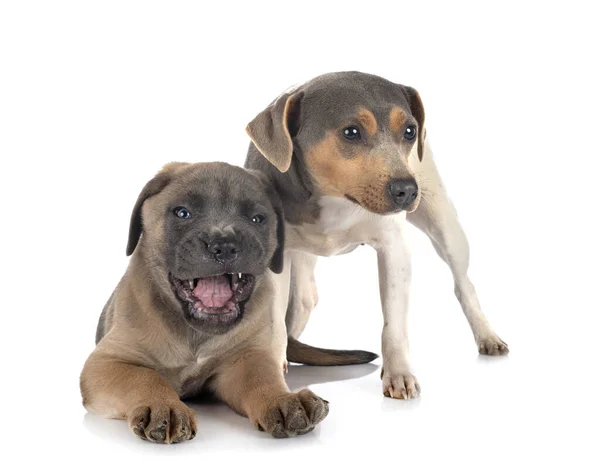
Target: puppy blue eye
{"type": "Point", "coordinates": [410, 132]}
{"type": "Point", "coordinates": [258, 219]}
{"type": "Point", "coordinates": [182, 212]}
{"type": "Point", "coordinates": [351, 133]}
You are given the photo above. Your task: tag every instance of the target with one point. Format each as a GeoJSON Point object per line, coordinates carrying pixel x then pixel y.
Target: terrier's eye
{"type": "Point", "coordinates": [182, 212]}
{"type": "Point", "coordinates": [258, 219]}
{"type": "Point", "coordinates": [410, 132]}
{"type": "Point", "coordinates": [351, 133]}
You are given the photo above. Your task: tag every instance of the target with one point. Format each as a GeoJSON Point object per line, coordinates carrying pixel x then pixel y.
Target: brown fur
{"type": "Point", "coordinates": [148, 359]}
{"type": "Point", "coordinates": [397, 120]}
{"type": "Point", "coordinates": [367, 120]}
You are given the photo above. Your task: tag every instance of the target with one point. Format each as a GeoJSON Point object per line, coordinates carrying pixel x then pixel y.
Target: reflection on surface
{"type": "Point", "coordinates": [492, 359]}
{"type": "Point", "coordinates": [300, 376]}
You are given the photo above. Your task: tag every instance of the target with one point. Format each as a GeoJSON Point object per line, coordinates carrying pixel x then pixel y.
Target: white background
{"type": "Point", "coordinates": [96, 96]}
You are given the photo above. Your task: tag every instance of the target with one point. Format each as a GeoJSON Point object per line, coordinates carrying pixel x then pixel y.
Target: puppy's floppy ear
{"type": "Point", "coordinates": [154, 186]}
{"type": "Point", "coordinates": [418, 112]}
{"type": "Point", "coordinates": [272, 130]}
{"type": "Point", "coordinates": [277, 260]}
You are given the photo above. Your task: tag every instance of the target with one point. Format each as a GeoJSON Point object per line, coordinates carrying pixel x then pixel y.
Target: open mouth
{"type": "Point", "coordinates": [213, 298]}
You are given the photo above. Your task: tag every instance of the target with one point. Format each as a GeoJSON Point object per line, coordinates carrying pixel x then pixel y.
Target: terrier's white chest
{"type": "Point", "coordinates": [341, 227]}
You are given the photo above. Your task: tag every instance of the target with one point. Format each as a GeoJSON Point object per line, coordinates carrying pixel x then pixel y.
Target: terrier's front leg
{"type": "Point", "coordinates": [393, 260]}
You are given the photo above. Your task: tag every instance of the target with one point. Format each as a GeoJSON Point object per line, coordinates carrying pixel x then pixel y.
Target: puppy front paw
{"type": "Point", "coordinates": [401, 384]}
{"type": "Point", "coordinates": [293, 414]}
{"type": "Point", "coordinates": [163, 422]}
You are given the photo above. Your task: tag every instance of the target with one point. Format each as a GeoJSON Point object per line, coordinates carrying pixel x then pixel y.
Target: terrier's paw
{"type": "Point", "coordinates": [293, 414]}
{"type": "Point", "coordinates": [164, 422]}
{"type": "Point", "coordinates": [492, 345]}
{"type": "Point", "coordinates": [402, 385]}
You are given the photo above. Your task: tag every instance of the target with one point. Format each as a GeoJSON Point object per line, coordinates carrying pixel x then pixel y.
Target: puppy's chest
{"type": "Point", "coordinates": [340, 228]}
{"type": "Point", "coordinates": [189, 373]}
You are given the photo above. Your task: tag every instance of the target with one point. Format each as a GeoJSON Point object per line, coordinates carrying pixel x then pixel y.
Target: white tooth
{"type": "Point", "coordinates": [240, 275]}
{"type": "Point", "coordinates": [191, 282]}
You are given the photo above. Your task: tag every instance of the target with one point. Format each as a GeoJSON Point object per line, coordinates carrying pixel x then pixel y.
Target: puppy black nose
{"type": "Point", "coordinates": [224, 251]}
{"type": "Point", "coordinates": [403, 191]}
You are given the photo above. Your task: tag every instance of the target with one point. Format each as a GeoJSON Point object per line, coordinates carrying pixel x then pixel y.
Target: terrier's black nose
{"type": "Point", "coordinates": [403, 191]}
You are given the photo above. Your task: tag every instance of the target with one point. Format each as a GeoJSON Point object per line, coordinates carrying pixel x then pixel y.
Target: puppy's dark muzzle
{"type": "Point", "coordinates": [223, 250]}
{"type": "Point", "coordinates": [403, 192]}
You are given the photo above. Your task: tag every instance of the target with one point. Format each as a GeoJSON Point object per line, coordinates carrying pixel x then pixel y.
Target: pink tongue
{"type": "Point", "coordinates": [213, 291]}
